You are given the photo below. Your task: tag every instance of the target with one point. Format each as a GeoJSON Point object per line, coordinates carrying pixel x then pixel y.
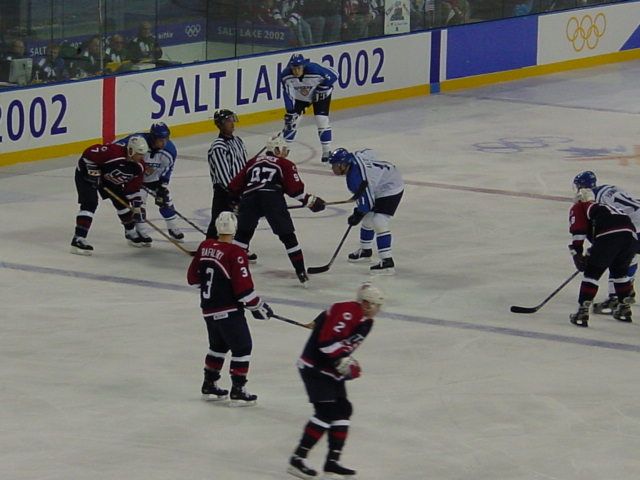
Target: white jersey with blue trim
{"type": "Point", "coordinates": [383, 178]}
{"type": "Point", "coordinates": [620, 200]}
{"type": "Point", "coordinates": [303, 88]}
{"type": "Point", "coordinates": [158, 164]}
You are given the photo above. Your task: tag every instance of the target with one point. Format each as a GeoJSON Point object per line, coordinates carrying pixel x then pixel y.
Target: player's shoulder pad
{"type": "Point", "coordinates": [348, 310]}
{"type": "Point", "coordinates": [171, 149]}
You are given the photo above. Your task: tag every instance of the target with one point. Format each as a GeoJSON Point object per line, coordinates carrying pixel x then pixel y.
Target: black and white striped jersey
{"type": "Point", "coordinates": [227, 156]}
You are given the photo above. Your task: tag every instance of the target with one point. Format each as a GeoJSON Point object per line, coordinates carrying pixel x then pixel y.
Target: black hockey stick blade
{"type": "Point", "coordinates": [324, 268]}
{"type": "Point", "coordinates": [517, 309]}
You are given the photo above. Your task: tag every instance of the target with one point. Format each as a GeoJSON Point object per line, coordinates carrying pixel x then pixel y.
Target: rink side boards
{"type": "Point", "coordinates": [49, 121]}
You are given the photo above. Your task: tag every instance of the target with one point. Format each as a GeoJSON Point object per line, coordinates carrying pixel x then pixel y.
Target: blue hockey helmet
{"type": "Point", "coordinates": [160, 130]}
{"type": "Point", "coordinates": [585, 180]}
{"type": "Point", "coordinates": [298, 60]}
{"type": "Point", "coordinates": [340, 155]}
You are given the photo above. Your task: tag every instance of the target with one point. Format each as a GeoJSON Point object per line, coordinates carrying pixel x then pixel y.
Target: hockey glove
{"type": "Point", "coordinates": [348, 367]}
{"type": "Point", "coordinates": [356, 217]}
{"type": "Point", "coordinates": [315, 204]}
{"type": "Point", "coordinates": [579, 260]}
{"type": "Point", "coordinates": [321, 93]}
{"type": "Point", "coordinates": [162, 196]}
{"type": "Point", "coordinates": [262, 311]}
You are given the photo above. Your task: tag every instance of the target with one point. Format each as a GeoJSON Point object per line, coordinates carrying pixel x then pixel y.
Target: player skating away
{"type": "Point", "coordinates": [261, 186]}
{"type": "Point", "coordinates": [376, 204]}
{"type": "Point", "coordinates": [325, 365]}
{"type": "Point", "coordinates": [613, 245]}
{"type": "Point", "coordinates": [159, 164]}
{"type": "Point", "coordinates": [623, 201]}
{"type": "Point", "coordinates": [305, 83]}
{"type": "Point", "coordinates": [221, 269]}
{"type": "Point", "coordinates": [116, 168]}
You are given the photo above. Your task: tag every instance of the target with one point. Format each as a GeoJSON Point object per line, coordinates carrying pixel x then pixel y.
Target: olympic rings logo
{"type": "Point", "coordinates": [192, 30]}
{"type": "Point", "coordinates": [586, 32]}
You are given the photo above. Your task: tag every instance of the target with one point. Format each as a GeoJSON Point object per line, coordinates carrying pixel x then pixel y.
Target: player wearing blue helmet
{"type": "Point", "coordinates": [624, 202]}
{"type": "Point", "coordinates": [376, 204]}
{"type": "Point", "coordinates": [159, 164]}
{"type": "Point", "coordinates": [304, 84]}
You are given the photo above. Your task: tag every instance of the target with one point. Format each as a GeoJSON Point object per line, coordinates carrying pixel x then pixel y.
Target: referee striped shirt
{"type": "Point", "coordinates": [227, 156]}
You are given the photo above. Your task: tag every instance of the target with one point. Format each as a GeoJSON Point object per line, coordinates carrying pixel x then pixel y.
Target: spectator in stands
{"type": "Point", "coordinates": [423, 14]}
{"type": "Point", "coordinates": [291, 12]}
{"type": "Point", "coordinates": [3, 44]}
{"type": "Point", "coordinates": [358, 14]}
{"type": "Point", "coordinates": [16, 50]}
{"type": "Point", "coordinates": [144, 47]}
{"type": "Point", "coordinates": [116, 56]}
{"type": "Point", "coordinates": [266, 13]}
{"type": "Point", "coordinates": [50, 67]}
{"type": "Point", "coordinates": [455, 12]}
{"type": "Point", "coordinates": [90, 61]}
{"type": "Point", "coordinates": [324, 18]}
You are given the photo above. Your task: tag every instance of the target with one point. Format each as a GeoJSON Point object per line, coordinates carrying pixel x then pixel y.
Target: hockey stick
{"type": "Point", "coordinates": [353, 198]}
{"type": "Point", "coordinates": [125, 204]}
{"type": "Point", "coordinates": [152, 193]}
{"type": "Point", "coordinates": [293, 322]}
{"type": "Point", "coordinates": [517, 309]}
{"type": "Point", "coordinates": [324, 268]}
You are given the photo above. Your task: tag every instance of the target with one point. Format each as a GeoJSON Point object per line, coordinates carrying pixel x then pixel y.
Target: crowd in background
{"type": "Point", "coordinates": [307, 22]}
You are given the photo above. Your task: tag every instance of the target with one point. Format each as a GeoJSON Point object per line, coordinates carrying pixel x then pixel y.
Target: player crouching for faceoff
{"type": "Point", "coordinates": [158, 167]}
{"type": "Point", "coordinates": [305, 83]}
{"type": "Point", "coordinates": [118, 169]}
{"type": "Point", "coordinates": [613, 245]}
{"type": "Point", "coordinates": [262, 184]}
{"type": "Point", "coordinates": [221, 270]}
{"type": "Point", "coordinates": [376, 204]}
{"type": "Point", "coordinates": [325, 365]}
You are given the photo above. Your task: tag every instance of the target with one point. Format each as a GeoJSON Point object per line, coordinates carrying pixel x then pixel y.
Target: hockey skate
{"type": "Point", "coordinates": [241, 398]}
{"type": "Point", "coordinates": [299, 468]}
{"type": "Point", "coordinates": [144, 232]}
{"type": "Point", "coordinates": [253, 258]}
{"type": "Point", "coordinates": [79, 246]}
{"type": "Point", "coordinates": [325, 157]}
{"type": "Point", "coordinates": [135, 240]}
{"type": "Point", "coordinates": [384, 267]}
{"type": "Point", "coordinates": [333, 470]}
{"type": "Point", "coordinates": [581, 317]}
{"type": "Point", "coordinates": [622, 313]}
{"type": "Point", "coordinates": [607, 307]}
{"type": "Point", "coordinates": [174, 231]}
{"type": "Point", "coordinates": [303, 277]}
{"type": "Point", "coordinates": [361, 255]}
{"type": "Point", "coordinates": [211, 392]}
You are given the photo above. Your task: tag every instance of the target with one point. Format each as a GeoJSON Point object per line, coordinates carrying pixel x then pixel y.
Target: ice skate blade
{"type": "Point", "coordinates": [138, 245]}
{"type": "Point", "coordinates": [214, 398]}
{"type": "Point", "coordinates": [297, 473]}
{"type": "Point", "coordinates": [359, 260]}
{"type": "Point", "coordinates": [336, 476]}
{"type": "Point", "coordinates": [176, 239]}
{"type": "Point", "coordinates": [242, 403]}
{"type": "Point", "coordinates": [386, 271]}
{"type": "Point", "coordinates": [79, 251]}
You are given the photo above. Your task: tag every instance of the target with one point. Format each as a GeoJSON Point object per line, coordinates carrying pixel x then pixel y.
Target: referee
{"type": "Point", "coordinates": [227, 155]}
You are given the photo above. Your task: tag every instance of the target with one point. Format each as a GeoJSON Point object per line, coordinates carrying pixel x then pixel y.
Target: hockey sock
{"type": "Point", "coordinates": [324, 132]}
{"type": "Point", "coordinates": [313, 431]}
{"type": "Point", "coordinates": [623, 289]}
{"type": "Point", "coordinates": [83, 223]}
{"type": "Point", "coordinates": [296, 257]}
{"type": "Point", "coordinates": [337, 436]}
{"type": "Point", "coordinates": [588, 290]}
{"type": "Point", "coordinates": [366, 237]}
{"type": "Point", "coordinates": [214, 360]}
{"type": "Point", "coordinates": [383, 242]}
{"type": "Point", "coordinates": [239, 367]}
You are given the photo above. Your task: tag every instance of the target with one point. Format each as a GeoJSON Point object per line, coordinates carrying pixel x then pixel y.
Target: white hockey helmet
{"type": "Point", "coordinates": [226, 223]}
{"type": "Point", "coordinates": [278, 142]}
{"type": "Point", "coordinates": [367, 291]}
{"type": "Point", "coordinates": [137, 145]}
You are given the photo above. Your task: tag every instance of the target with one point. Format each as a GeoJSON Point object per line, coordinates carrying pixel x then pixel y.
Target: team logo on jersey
{"type": "Point", "coordinates": [118, 177]}
{"type": "Point", "coordinates": [304, 90]}
{"type": "Point", "coordinates": [586, 31]}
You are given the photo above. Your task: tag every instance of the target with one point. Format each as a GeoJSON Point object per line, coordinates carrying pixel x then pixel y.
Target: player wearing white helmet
{"type": "Point", "coordinates": [221, 269]}
{"type": "Point", "coordinates": [325, 365]}
{"type": "Point", "coordinates": [261, 186]}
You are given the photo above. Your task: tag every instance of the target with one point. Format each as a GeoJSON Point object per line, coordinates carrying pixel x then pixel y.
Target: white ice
{"type": "Point", "coordinates": [101, 357]}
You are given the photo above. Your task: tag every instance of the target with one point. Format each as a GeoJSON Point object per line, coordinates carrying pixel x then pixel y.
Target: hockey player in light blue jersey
{"type": "Point", "coordinates": [159, 163]}
{"type": "Point", "coordinates": [624, 202]}
{"type": "Point", "coordinates": [305, 83]}
{"type": "Point", "coordinates": [380, 188]}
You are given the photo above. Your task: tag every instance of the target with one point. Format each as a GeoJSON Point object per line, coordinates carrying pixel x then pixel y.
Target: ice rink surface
{"type": "Point", "coordinates": [101, 357]}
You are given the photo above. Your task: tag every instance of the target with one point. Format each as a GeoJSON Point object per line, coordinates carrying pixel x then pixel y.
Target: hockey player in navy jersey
{"type": "Point", "coordinates": [305, 83]}
{"type": "Point", "coordinates": [325, 365]}
{"type": "Point", "coordinates": [625, 202]}
{"type": "Point", "coordinates": [159, 163]}
{"type": "Point", "coordinates": [613, 245]}
{"type": "Point", "coordinates": [221, 270]}
{"type": "Point", "coordinates": [377, 203]}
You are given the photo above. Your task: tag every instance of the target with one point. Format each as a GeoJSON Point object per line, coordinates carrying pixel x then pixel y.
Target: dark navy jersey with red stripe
{"type": "Point", "coordinates": [222, 271]}
{"type": "Point", "coordinates": [338, 331]}
{"type": "Point", "coordinates": [111, 164]}
{"type": "Point", "coordinates": [590, 220]}
{"type": "Point", "coordinates": [267, 172]}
